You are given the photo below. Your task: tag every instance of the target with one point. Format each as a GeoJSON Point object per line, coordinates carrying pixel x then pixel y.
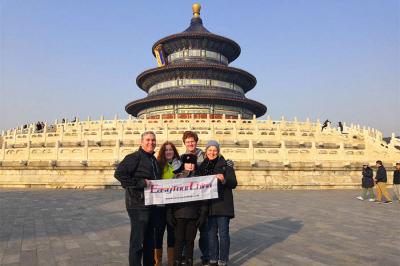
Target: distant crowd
{"type": "Point", "coordinates": [39, 126]}
{"type": "Point", "coordinates": [379, 182]}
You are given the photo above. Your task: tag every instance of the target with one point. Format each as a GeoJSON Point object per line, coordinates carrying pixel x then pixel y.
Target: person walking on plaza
{"type": "Point", "coordinates": [169, 163]}
{"type": "Point", "coordinates": [381, 179]}
{"type": "Point", "coordinates": [135, 172]}
{"type": "Point", "coordinates": [367, 183]}
{"type": "Point", "coordinates": [220, 210]}
{"type": "Point", "coordinates": [396, 181]}
{"type": "Point", "coordinates": [186, 217]}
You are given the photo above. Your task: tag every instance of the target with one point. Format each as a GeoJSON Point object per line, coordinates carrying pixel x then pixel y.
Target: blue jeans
{"type": "Point", "coordinates": [203, 242]}
{"type": "Point", "coordinates": [142, 236]}
{"type": "Point", "coordinates": [219, 240]}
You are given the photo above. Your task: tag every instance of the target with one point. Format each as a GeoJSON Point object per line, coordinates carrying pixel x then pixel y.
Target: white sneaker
{"type": "Point", "coordinates": [371, 200]}
{"type": "Point", "coordinates": [360, 198]}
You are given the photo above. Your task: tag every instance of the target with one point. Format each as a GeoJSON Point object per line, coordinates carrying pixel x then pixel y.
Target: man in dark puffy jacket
{"type": "Point", "coordinates": [367, 183]}
{"type": "Point", "coordinates": [381, 179]}
{"type": "Point", "coordinates": [135, 172]}
{"type": "Point", "coordinates": [396, 181]}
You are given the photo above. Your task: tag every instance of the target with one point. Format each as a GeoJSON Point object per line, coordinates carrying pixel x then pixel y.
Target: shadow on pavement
{"type": "Point", "coordinates": [250, 241]}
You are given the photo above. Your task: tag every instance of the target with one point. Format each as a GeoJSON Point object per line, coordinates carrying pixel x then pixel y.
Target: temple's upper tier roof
{"type": "Point", "coordinates": [196, 36]}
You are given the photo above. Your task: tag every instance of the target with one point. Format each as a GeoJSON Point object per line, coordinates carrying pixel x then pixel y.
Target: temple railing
{"type": "Point", "coordinates": [241, 140]}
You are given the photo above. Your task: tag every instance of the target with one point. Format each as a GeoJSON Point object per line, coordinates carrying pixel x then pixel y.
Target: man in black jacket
{"type": "Point", "coordinates": [135, 172]}
{"type": "Point", "coordinates": [381, 179]}
{"type": "Point", "coordinates": [367, 183]}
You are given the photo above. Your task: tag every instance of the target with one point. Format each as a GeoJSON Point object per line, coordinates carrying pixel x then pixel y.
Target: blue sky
{"type": "Point", "coordinates": [318, 59]}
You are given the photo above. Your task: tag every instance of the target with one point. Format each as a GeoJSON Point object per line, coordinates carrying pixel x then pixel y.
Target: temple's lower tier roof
{"type": "Point", "coordinates": [135, 107]}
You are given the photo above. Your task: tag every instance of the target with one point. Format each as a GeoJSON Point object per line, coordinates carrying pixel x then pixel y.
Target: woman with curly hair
{"type": "Point", "coordinates": [168, 160]}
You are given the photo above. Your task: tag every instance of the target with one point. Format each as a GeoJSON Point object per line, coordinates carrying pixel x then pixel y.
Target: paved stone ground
{"type": "Point", "coordinates": [91, 227]}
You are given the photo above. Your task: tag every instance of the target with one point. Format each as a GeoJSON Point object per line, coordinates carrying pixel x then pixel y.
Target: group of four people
{"type": "Point", "coordinates": [182, 220]}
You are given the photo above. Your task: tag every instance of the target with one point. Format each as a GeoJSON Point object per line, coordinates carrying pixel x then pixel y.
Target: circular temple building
{"type": "Point", "coordinates": [194, 79]}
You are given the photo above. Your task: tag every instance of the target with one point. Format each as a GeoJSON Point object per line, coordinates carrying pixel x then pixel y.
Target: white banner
{"type": "Point", "coordinates": [181, 190]}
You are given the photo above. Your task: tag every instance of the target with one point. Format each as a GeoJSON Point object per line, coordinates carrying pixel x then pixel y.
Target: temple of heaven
{"type": "Point", "coordinates": [193, 78]}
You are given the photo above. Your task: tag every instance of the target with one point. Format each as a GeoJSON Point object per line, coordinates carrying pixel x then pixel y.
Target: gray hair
{"type": "Point", "coordinates": [147, 133]}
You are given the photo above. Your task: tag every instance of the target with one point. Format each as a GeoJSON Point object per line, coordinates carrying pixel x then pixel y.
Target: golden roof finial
{"type": "Point", "coordinates": [196, 10]}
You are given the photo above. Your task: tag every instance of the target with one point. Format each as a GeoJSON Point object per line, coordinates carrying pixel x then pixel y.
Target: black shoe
{"type": "Point", "coordinates": [387, 202]}
{"type": "Point", "coordinates": [205, 262]}
{"type": "Point", "coordinates": [189, 262]}
{"type": "Point", "coordinates": [177, 263]}
{"type": "Point", "coordinates": [213, 264]}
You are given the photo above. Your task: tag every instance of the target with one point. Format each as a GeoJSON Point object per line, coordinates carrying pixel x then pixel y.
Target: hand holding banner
{"type": "Point", "coordinates": [181, 190]}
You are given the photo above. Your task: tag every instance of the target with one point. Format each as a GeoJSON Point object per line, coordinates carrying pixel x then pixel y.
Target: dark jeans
{"type": "Point", "coordinates": [219, 228]}
{"type": "Point", "coordinates": [160, 224]}
{"type": "Point", "coordinates": [142, 235]}
{"type": "Point", "coordinates": [185, 233]}
{"type": "Point", "coordinates": [203, 242]}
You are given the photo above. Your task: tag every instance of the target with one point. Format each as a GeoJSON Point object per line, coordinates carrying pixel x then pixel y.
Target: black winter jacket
{"type": "Point", "coordinates": [367, 181]}
{"type": "Point", "coordinates": [381, 175]}
{"type": "Point", "coordinates": [132, 172]}
{"type": "Point", "coordinates": [396, 177]}
{"type": "Point", "coordinates": [190, 209]}
{"type": "Point", "coordinates": [223, 205]}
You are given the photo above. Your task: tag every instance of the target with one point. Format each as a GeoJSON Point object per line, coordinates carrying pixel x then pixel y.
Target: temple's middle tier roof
{"type": "Point", "coordinates": [208, 71]}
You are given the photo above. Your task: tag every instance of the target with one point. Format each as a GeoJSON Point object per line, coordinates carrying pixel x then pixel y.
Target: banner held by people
{"type": "Point", "coordinates": [181, 190]}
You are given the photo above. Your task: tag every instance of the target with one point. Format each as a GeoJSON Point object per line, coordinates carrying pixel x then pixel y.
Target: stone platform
{"type": "Point", "coordinates": [91, 227]}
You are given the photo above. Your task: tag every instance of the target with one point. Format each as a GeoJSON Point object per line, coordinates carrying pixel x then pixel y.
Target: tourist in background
{"type": "Point", "coordinates": [169, 163]}
{"type": "Point", "coordinates": [220, 210]}
{"type": "Point", "coordinates": [367, 183]}
{"type": "Point", "coordinates": [186, 217]}
{"type": "Point", "coordinates": [381, 179]}
{"type": "Point", "coordinates": [135, 172]}
{"type": "Point", "coordinates": [396, 181]}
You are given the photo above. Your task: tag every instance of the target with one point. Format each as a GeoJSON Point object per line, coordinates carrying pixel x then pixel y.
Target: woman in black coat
{"type": "Point", "coordinates": [367, 183]}
{"type": "Point", "coordinates": [220, 210]}
{"type": "Point", "coordinates": [186, 217]}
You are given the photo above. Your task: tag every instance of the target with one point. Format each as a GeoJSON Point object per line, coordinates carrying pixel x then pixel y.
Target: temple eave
{"type": "Point", "coordinates": [236, 75]}
{"type": "Point", "coordinates": [217, 43]}
{"type": "Point", "coordinates": [135, 107]}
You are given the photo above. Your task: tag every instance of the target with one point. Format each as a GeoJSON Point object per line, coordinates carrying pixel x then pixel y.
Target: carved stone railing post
{"type": "Point", "coordinates": [117, 150]}
{"type": "Point", "coordinates": [28, 149]}
{"type": "Point", "coordinates": [86, 150]}
{"type": "Point", "coordinates": [80, 133]}
{"type": "Point", "coordinates": [44, 138]}
{"type": "Point", "coordinates": [313, 151]}
{"type": "Point", "coordinates": [57, 149]}
{"type": "Point", "coordinates": [145, 122]}
{"type": "Point", "coordinates": [284, 153]}
{"type": "Point", "coordinates": [342, 152]}
{"type": "Point", "coordinates": [251, 155]}
{"type": "Point", "coordinates": [100, 133]}
{"type": "Point", "coordinates": [30, 130]}
{"type": "Point", "coordinates": [166, 128]}
{"type": "Point", "coordinates": [3, 150]}
{"type": "Point", "coordinates": [61, 137]}
{"type": "Point", "coordinates": [121, 130]}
